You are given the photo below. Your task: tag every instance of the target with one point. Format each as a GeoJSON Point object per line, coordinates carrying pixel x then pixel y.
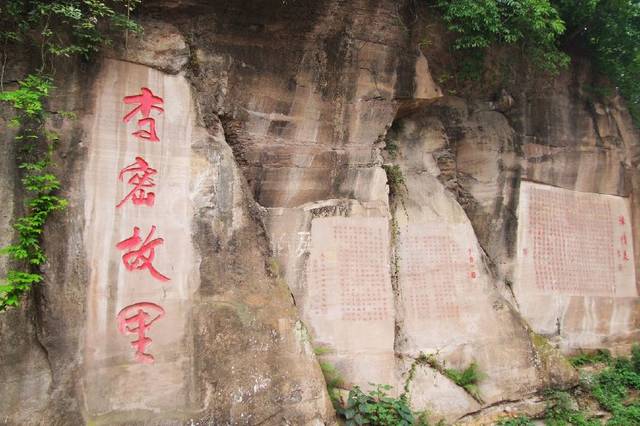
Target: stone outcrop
{"type": "Point", "coordinates": [482, 156]}
{"type": "Point", "coordinates": [317, 192]}
{"type": "Point", "coordinates": [223, 310]}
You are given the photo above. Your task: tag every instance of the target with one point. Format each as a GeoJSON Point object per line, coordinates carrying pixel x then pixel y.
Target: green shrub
{"type": "Point", "coordinates": [635, 358]}
{"type": "Point", "coordinates": [534, 24]}
{"type": "Point", "coordinates": [607, 32]}
{"type": "Point", "coordinates": [560, 411]}
{"type": "Point", "coordinates": [612, 387]}
{"type": "Point", "coordinates": [36, 147]}
{"type": "Point", "coordinates": [376, 408]}
{"type": "Point", "coordinates": [392, 148]}
{"type": "Point", "coordinates": [64, 27]}
{"type": "Point", "coordinates": [601, 356]}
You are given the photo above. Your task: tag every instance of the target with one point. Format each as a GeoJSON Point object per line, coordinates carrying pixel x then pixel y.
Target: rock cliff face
{"type": "Point", "coordinates": [499, 231]}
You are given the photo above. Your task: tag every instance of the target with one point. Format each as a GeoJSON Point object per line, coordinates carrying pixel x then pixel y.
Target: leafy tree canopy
{"type": "Point", "coordinates": [606, 31]}
{"type": "Point", "coordinates": [63, 27]}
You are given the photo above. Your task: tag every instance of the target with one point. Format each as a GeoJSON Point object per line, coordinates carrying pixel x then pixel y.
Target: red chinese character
{"type": "Point", "coordinates": [147, 102]}
{"type": "Point", "coordinates": [141, 180]}
{"type": "Point", "coordinates": [134, 319]}
{"type": "Point", "coordinates": [621, 220]}
{"type": "Point", "coordinates": [150, 134]}
{"type": "Point", "coordinates": [625, 256]}
{"type": "Point", "coordinates": [623, 239]}
{"type": "Point", "coordinates": [473, 275]}
{"type": "Point", "coordinates": [141, 258]}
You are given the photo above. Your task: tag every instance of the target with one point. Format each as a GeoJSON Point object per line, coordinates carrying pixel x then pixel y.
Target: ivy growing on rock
{"type": "Point", "coordinates": [53, 29]}
{"type": "Point", "coordinates": [37, 181]}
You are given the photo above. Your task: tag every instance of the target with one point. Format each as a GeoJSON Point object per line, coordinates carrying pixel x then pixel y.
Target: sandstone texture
{"type": "Point", "coordinates": [223, 308]}
{"type": "Point", "coordinates": [320, 199]}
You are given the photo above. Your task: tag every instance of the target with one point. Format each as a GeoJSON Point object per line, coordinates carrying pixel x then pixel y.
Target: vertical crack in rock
{"type": "Point", "coordinates": [247, 244]}
{"type": "Point", "coordinates": [397, 188]}
{"type": "Point", "coordinates": [443, 261]}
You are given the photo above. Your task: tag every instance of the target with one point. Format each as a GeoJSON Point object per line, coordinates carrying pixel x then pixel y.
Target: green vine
{"type": "Point", "coordinates": [54, 29]}
{"type": "Point", "coordinates": [37, 181]}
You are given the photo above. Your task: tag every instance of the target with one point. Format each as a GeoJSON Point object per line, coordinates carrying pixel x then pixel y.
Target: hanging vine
{"type": "Point", "coordinates": [53, 29]}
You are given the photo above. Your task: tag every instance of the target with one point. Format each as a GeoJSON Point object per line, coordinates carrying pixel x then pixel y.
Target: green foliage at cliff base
{"type": "Point", "coordinates": [614, 387]}
{"type": "Point", "coordinates": [376, 408]}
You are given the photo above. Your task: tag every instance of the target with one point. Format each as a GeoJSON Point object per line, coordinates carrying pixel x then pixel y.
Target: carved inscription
{"type": "Point", "coordinates": [348, 275]}
{"type": "Point", "coordinates": [141, 179]}
{"type": "Point", "coordinates": [434, 268]}
{"type": "Point", "coordinates": [360, 272]}
{"type": "Point", "coordinates": [136, 319]}
{"type": "Point", "coordinates": [139, 254]}
{"type": "Point", "coordinates": [137, 205]}
{"type": "Point", "coordinates": [318, 272]}
{"type": "Point", "coordinates": [347, 297]}
{"type": "Point", "coordinates": [572, 243]}
{"type": "Point", "coordinates": [146, 102]}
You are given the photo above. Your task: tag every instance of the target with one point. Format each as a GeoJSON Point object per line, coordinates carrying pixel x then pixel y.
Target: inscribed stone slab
{"type": "Point", "coordinates": [114, 378]}
{"type": "Point", "coordinates": [574, 243]}
{"type": "Point", "coordinates": [440, 281]}
{"type": "Point", "coordinates": [349, 299]}
{"type": "Point", "coordinates": [575, 274]}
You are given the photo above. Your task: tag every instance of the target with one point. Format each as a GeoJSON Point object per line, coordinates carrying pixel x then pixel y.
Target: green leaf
{"type": "Point", "coordinates": [359, 419]}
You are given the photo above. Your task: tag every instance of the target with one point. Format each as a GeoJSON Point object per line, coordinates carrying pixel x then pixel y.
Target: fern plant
{"type": "Point", "coordinates": [467, 379]}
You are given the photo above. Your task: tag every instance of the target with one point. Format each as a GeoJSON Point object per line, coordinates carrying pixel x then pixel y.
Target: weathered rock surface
{"type": "Point", "coordinates": [24, 369]}
{"type": "Point", "coordinates": [238, 320]}
{"type": "Point", "coordinates": [483, 157]}
{"type": "Point", "coordinates": [274, 209]}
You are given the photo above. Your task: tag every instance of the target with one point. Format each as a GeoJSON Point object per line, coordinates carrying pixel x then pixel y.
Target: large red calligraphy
{"type": "Point", "coordinates": [137, 319]}
{"type": "Point", "coordinates": [147, 102]}
{"type": "Point", "coordinates": [139, 254]}
{"type": "Point", "coordinates": [141, 180]}
{"type": "Point", "coordinates": [141, 257]}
